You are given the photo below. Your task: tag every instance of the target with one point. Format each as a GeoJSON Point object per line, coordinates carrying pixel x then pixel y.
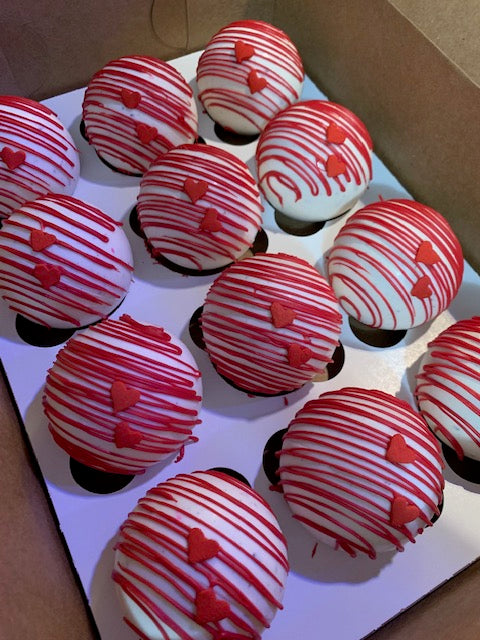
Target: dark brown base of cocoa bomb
{"type": "Point", "coordinates": [38, 335]}
{"type": "Point", "coordinates": [297, 227]}
{"type": "Point", "coordinates": [230, 137]}
{"type": "Point", "coordinates": [231, 472]}
{"type": "Point", "coordinates": [382, 338]}
{"type": "Point", "coordinates": [135, 224]}
{"type": "Point", "coordinates": [195, 329]}
{"type": "Point", "coordinates": [270, 460]}
{"type": "Point", "coordinates": [200, 140]}
{"type": "Point", "coordinates": [338, 360]}
{"type": "Point", "coordinates": [468, 469]}
{"type": "Point", "coordinates": [83, 131]}
{"type": "Point", "coordinates": [96, 481]}
{"type": "Point", "coordinates": [440, 510]}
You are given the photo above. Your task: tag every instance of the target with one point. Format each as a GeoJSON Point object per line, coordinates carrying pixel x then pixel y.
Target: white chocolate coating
{"type": "Point", "coordinates": [314, 160]}
{"type": "Point", "coordinates": [361, 471]}
{"type": "Point", "coordinates": [136, 108]}
{"type": "Point", "coordinates": [203, 229]}
{"type": "Point", "coordinates": [448, 387]}
{"type": "Point", "coordinates": [395, 264]}
{"type": "Point", "coordinates": [37, 154]}
{"type": "Point", "coordinates": [63, 263]}
{"type": "Point", "coordinates": [270, 323]}
{"type": "Point", "coordinates": [248, 72]}
{"type": "Point", "coordinates": [122, 396]}
{"type": "Point", "coordinates": [201, 556]}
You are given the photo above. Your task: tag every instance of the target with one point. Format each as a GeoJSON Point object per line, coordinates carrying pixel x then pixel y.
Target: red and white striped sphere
{"type": "Point", "coordinates": [448, 387]}
{"type": "Point", "coordinates": [249, 71]}
{"type": "Point", "coordinates": [122, 396]}
{"type": "Point", "coordinates": [395, 264]}
{"type": "Point", "coordinates": [136, 108]}
{"type": "Point", "coordinates": [314, 160]}
{"type": "Point", "coordinates": [199, 207]}
{"type": "Point", "coordinates": [201, 556]}
{"type": "Point", "coordinates": [270, 323]}
{"type": "Point", "coordinates": [63, 262]}
{"type": "Point", "coordinates": [37, 154]}
{"type": "Point", "coordinates": [360, 469]}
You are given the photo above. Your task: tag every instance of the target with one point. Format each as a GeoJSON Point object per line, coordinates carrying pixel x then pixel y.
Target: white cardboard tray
{"type": "Point", "coordinates": [345, 598]}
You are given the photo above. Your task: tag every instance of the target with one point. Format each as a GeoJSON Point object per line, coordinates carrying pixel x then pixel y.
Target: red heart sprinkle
{"type": "Point", "coordinates": [298, 355]}
{"type": "Point", "coordinates": [402, 511]}
{"type": "Point", "coordinates": [335, 166]}
{"type": "Point", "coordinates": [335, 134]}
{"type": "Point", "coordinates": [422, 288]}
{"type": "Point", "coordinates": [398, 450]}
{"type": "Point", "coordinates": [146, 133]}
{"type": "Point", "coordinates": [210, 221]}
{"type": "Point", "coordinates": [48, 274]}
{"type": "Point", "coordinates": [123, 397]}
{"type": "Point", "coordinates": [195, 189]}
{"type": "Point", "coordinates": [11, 158]}
{"type": "Point", "coordinates": [200, 548]}
{"type": "Point", "coordinates": [131, 99]}
{"type": "Point", "coordinates": [243, 50]}
{"type": "Point", "coordinates": [426, 253]}
{"type": "Point", "coordinates": [209, 608]}
{"type": "Point", "coordinates": [125, 436]}
{"type": "Point", "coordinates": [281, 316]}
{"type": "Point", "coordinates": [256, 82]}
{"type": "Point", "coordinates": [40, 240]}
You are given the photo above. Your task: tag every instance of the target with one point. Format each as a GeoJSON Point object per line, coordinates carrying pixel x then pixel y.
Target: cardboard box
{"type": "Point", "coordinates": [408, 69]}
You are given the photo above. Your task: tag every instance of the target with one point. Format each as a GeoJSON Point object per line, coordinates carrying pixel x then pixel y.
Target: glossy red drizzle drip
{"type": "Point", "coordinates": [336, 478]}
{"type": "Point", "coordinates": [448, 387]}
{"type": "Point", "coordinates": [78, 401]}
{"type": "Point", "coordinates": [153, 568]}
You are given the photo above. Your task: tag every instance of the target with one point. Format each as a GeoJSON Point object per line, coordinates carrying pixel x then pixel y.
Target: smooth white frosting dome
{"type": "Point", "coordinates": [201, 556]}
{"type": "Point", "coordinates": [270, 323]}
{"type": "Point", "coordinates": [395, 264]}
{"type": "Point", "coordinates": [314, 160]}
{"type": "Point", "coordinates": [63, 262]}
{"type": "Point", "coordinates": [249, 71]}
{"type": "Point", "coordinates": [360, 469]}
{"type": "Point", "coordinates": [199, 207]}
{"type": "Point", "coordinates": [122, 396]}
{"type": "Point", "coordinates": [448, 387]}
{"type": "Point", "coordinates": [136, 108]}
{"type": "Point", "coordinates": [37, 154]}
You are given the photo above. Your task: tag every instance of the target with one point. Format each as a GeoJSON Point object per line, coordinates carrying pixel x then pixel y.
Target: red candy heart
{"type": "Point", "coordinates": [422, 288]}
{"type": "Point", "coordinates": [298, 355]}
{"type": "Point", "coordinates": [40, 240]}
{"type": "Point", "coordinates": [47, 274]}
{"type": "Point", "coordinates": [13, 159]}
{"type": "Point", "coordinates": [210, 221]}
{"type": "Point", "coordinates": [402, 511]}
{"type": "Point", "coordinates": [335, 166]}
{"type": "Point", "coordinates": [195, 189]}
{"type": "Point", "coordinates": [256, 82]}
{"type": "Point", "coordinates": [209, 608]}
{"type": "Point", "coordinates": [281, 316]}
{"type": "Point", "coordinates": [123, 397]}
{"type": "Point", "coordinates": [125, 436]}
{"type": "Point", "coordinates": [243, 50]}
{"type": "Point", "coordinates": [398, 450]}
{"type": "Point", "coordinates": [146, 133]}
{"type": "Point", "coordinates": [131, 99]}
{"type": "Point", "coordinates": [335, 134]}
{"type": "Point", "coordinates": [426, 253]}
{"type": "Point", "coordinates": [200, 548]}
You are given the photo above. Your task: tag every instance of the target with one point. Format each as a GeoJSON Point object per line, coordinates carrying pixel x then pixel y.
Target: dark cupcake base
{"type": "Point", "coordinates": [230, 137]}
{"type": "Point", "coordinates": [468, 469]}
{"type": "Point", "coordinates": [40, 336]}
{"type": "Point", "coordinates": [382, 338]}
{"type": "Point", "coordinates": [231, 472]}
{"type": "Point", "coordinates": [297, 227]}
{"type": "Point", "coordinates": [270, 461]}
{"type": "Point", "coordinates": [96, 481]}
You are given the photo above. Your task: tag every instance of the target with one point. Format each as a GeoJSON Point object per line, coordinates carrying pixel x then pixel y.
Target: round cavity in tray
{"type": "Point", "coordinates": [230, 137]}
{"type": "Point", "coordinates": [468, 469]}
{"type": "Point", "coordinates": [96, 481]}
{"type": "Point", "coordinates": [270, 457]}
{"type": "Point", "coordinates": [382, 338]}
{"type": "Point", "coordinates": [232, 473]}
{"type": "Point", "coordinates": [38, 335]}
{"type": "Point", "coordinates": [297, 227]}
